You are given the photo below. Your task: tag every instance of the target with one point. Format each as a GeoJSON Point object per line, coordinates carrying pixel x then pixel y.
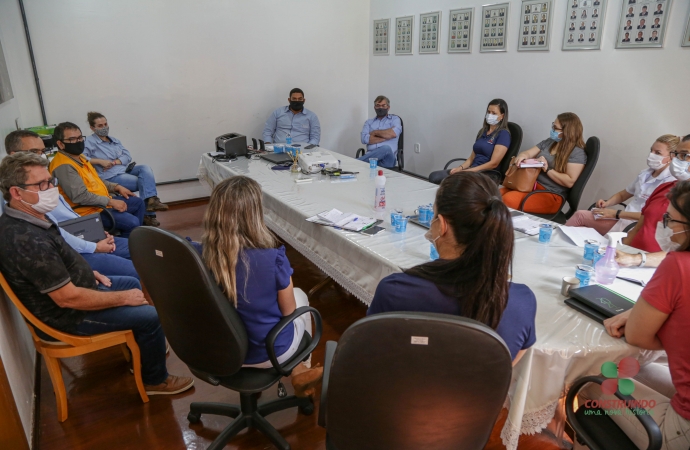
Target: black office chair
{"type": "Point", "coordinates": [592, 150]}
{"type": "Point", "coordinates": [208, 335]}
{"type": "Point", "coordinates": [499, 173]}
{"type": "Point", "coordinates": [598, 431]}
{"type": "Point", "coordinates": [413, 381]}
{"type": "Point", "coordinates": [400, 156]}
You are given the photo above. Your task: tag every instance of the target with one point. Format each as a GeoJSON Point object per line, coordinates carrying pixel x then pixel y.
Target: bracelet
{"type": "Point", "coordinates": [618, 214]}
{"type": "Point", "coordinates": [644, 259]}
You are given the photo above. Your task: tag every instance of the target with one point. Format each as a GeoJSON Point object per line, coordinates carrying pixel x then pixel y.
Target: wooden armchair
{"type": "Point", "coordinates": [69, 345]}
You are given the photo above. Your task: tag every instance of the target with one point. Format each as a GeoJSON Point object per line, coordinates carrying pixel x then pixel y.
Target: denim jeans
{"type": "Point", "coordinates": [384, 154]}
{"type": "Point", "coordinates": [111, 265]}
{"type": "Point", "coordinates": [129, 220]}
{"type": "Point", "coordinates": [139, 179]}
{"type": "Point", "coordinates": [142, 320]}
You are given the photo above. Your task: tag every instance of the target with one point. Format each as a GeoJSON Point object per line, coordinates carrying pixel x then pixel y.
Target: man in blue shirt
{"type": "Point", "coordinates": [110, 159]}
{"type": "Point", "coordinates": [294, 120]}
{"type": "Point", "coordinates": [109, 256]}
{"type": "Point", "coordinates": [381, 134]}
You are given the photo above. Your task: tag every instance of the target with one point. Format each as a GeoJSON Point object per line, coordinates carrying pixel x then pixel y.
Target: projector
{"type": "Point", "coordinates": [313, 162]}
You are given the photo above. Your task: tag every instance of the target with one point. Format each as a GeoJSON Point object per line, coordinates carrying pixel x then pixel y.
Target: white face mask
{"type": "Point", "coordinates": [679, 169]}
{"type": "Point", "coordinates": [663, 238]}
{"type": "Point", "coordinates": [47, 200]}
{"type": "Point", "coordinates": [655, 161]}
{"type": "Point", "coordinates": [492, 119]}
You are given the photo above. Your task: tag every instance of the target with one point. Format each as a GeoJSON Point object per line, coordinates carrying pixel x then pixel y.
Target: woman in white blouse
{"type": "Point", "coordinates": [605, 219]}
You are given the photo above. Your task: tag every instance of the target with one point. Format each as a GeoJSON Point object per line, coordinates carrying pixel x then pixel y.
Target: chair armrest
{"type": "Point", "coordinates": [103, 209]}
{"type": "Point", "coordinates": [286, 369]}
{"type": "Point", "coordinates": [452, 161]}
{"type": "Point", "coordinates": [360, 152]}
{"type": "Point", "coordinates": [522, 203]}
{"type": "Point", "coordinates": [630, 227]}
{"type": "Point", "coordinates": [327, 363]}
{"type": "Point", "coordinates": [651, 427]}
{"type": "Point", "coordinates": [593, 205]}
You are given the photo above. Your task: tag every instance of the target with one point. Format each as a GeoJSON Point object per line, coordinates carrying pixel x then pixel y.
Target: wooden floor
{"type": "Point", "coordinates": [106, 413]}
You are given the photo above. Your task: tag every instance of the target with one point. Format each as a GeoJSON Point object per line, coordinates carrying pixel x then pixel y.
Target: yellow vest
{"type": "Point", "coordinates": [89, 176]}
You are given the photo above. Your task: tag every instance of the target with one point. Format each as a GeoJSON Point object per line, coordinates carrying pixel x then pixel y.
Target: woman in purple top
{"type": "Point", "coordinates": [490, 147]}
{"type": "Point", "coordinates": [473, 232]}
{"type": "Point", "coordinates": [253, 272]}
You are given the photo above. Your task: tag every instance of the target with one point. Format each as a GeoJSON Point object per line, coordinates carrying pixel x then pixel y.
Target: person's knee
{"type": "Point", "coordinates": [146, 319]}
{"type": "Point", "coordinates": [146, 173]}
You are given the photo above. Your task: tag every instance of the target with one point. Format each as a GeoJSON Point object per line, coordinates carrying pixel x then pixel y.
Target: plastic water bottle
{"type": "Point", "coordinates": [380, 195]}
{"type": "Point", "coordinates": [607, 268]}
{"type": "Point", "coordinates": [288, 139]}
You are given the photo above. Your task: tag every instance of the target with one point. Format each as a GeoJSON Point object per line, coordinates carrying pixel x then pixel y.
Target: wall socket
{"type": "Point", "coordinates": [417, 148]}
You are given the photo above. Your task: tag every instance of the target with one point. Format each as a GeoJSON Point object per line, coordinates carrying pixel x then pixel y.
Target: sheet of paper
{"type": "Point", "coordinates": [332, 216]}
{"type": "Point", "coordinates": [526, 225]}
{"type": "Point", "coordinates": [640, 274]}
{"type": "Point", "coordinates": [578, 235]}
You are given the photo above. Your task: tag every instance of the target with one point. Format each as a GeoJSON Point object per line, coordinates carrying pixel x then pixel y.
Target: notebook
{"type": "Point", "coordinates": [597, 299]}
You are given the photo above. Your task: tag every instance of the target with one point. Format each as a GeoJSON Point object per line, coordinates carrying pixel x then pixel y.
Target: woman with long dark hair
{"type": "Point", "coordinates": [473, 232]}
{"type": "Point", "coordinates": [490, 146]}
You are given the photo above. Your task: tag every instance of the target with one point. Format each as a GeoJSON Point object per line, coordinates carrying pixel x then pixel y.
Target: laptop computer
{"type": "Point", "coordinates": [598, 303]}
{"type": "Point", "coordinates": [277, 158]}
{"type": "Point", "coordinates": [89, 228]}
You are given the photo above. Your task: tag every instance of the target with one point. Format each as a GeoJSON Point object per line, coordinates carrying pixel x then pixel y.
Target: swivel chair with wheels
{"type": "Point", "coordinates": [208, 335]}
{"type": "Point", "coordinates": [400, 157]}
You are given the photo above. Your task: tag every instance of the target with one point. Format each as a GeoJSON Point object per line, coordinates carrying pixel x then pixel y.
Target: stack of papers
{"type": "Point", "coordinates": [578, 235]}
{"type": "Point", "coordinates": [526, 225]}
{"type": "Point", "coordinates": [528, 163]}
{"type": "Point", "coordinates": [639, 276]}
{"type": "Point", "coordinates": [346, 221]}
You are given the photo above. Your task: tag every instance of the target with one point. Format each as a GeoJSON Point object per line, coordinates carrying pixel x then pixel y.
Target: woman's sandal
{"type": "Point", "coordinates": [306, 382]}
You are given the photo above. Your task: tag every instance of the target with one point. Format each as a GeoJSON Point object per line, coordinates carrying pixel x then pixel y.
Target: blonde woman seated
{"type": "Point", "coordinates": [564, 160]}
{"type": "Point", "coordinates": [605, 219]}
{"type": "Point", "coordinates": [252, 270]}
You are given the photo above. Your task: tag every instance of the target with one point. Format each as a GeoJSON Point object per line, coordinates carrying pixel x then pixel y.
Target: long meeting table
{"type": "Point", "coordinates": [569, 345]}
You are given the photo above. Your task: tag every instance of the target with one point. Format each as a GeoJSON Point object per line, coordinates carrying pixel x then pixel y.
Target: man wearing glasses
{"type": "Point", "coordinates": [655, 214]}
{"type": "Point", "coordinates": [83, 188]}
{"type": "Point", "coordinates": [381, 134]}
{"type": "Point", "coordinates": [109, 256]}
{"type": "Point", "coordinates": [57, 285]}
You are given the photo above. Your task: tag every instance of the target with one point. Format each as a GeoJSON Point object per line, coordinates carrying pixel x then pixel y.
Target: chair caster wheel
{"type": "Point", "coordinates": [307, 410]}
{"type": "Point", "coordinates": [193, 417]}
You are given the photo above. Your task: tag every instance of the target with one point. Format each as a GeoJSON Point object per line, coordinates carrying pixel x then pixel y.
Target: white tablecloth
{"type": "Point", "coordinates": [569, 345]}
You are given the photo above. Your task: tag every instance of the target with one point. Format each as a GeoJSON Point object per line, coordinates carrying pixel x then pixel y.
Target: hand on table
{"type": "Point", "coordinates": [615, 326]}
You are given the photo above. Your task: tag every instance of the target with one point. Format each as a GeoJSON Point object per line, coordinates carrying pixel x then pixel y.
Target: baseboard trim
{"type": "Point", "coordinates": [189, 200]}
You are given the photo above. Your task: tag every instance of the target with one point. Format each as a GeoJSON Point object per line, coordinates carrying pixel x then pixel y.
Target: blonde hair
{"type": "Point", "coordinates": [234, 221]}
{"type": "Point", "coordinates": [670, 140]}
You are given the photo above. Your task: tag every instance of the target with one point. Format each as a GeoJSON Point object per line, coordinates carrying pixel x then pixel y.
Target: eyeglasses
{"type": "Point", "coordinates": [681, 155]}
{"type": "Point", "coordinates": [553, 127]}
{"type": "Point", "coordinates": [42, 185]}
{"type": "Point", "coordinates": [667, 218]}
{"type": "Point", "coordinates": [73, 140]}
{"type": "Point", "coordinates": [36, 151]}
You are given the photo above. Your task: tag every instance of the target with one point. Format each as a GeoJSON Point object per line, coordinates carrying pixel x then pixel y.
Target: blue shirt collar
{"type": "Point", "coordinates": [304, 110]}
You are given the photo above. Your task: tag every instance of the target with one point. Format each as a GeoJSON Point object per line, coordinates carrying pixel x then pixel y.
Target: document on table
{"type": "Point", "coordinates": [578, 235]}
{"type": "Point", "coordinates": [526, 225]}
{"type": "Point", "coordinates": [630, 291]}
{"type": "Point", "coordinates": [640, 275]}
{"type": "Point", "coordinates": [347, 221]}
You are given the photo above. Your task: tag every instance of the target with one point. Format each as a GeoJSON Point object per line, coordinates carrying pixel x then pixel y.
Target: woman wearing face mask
{"type": "Point", "coordinates": [604, 219]}
{"type": "Point", "coordinates": [659, 321]}
{"type": "Point", "coordinates": [471, 277]}
{"type": "Point", "coordinates": [564, 160]}
{"type": "Point", "coordinates": [490, 146]}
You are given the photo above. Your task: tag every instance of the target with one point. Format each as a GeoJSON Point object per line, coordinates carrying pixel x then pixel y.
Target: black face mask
{"type": "Point", "coordinates": [74, 148]}
{"type": "Point", "coordinates": [380, 112]}
{"type": "Point", "coordinates": [296, 106]}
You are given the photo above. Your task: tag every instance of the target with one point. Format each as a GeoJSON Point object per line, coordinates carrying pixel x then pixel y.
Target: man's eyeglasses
{"type": "Point", "coordinates": [42, 185]}
{"type": "Point", "coordinates": [681, 155]}
{"type": "Point", "coordinates": [667, 218]}
{"type": "Point", "coordinates": [73, 140]}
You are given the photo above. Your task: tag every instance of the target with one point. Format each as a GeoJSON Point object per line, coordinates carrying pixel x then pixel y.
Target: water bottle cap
{"type": "Point", "coordinates": [380, 172]}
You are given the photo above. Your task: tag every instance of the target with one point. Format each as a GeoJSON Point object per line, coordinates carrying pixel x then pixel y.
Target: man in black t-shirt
{"type": "Point", "coordinates": [57, 285]}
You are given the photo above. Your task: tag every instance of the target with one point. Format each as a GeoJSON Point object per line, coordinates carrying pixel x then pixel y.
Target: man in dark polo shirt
{"type": "Point", "coordinates": [57, 285]}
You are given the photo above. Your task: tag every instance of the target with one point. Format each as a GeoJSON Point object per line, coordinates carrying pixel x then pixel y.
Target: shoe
{"type": "Point", "coordinates": [172, 385]}
{"type": "Point", "coordinates": [155, 204]}
{"type": "Point", "coordinates": [305, 383]}
{"type": "Point", "coordinates": [151, 221]}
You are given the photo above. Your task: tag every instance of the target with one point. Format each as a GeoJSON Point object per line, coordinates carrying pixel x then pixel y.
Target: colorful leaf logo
{"type": "Point", "coordinates": [619, 376]}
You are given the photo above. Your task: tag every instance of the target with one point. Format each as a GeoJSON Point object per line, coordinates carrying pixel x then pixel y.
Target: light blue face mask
{"type": "Point", "coordinates": [554, 135]}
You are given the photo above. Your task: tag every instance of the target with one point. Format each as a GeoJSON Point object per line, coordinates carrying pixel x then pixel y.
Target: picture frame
{"type": "Point", "coordinates": [429, 32]}
{"type": "Point", "coordinates": [6, 93]}
{"type": "Point", "coordinates": [594, 13]}
{"type": "Point", "coordinates": [539, 18]}
{"type": "Point", "coordinates": [686, 35]}
{"type": "Point", "coordinates": [381, 37]}
{"type": "Point", "coordinates": [404, 35]}
{"type": "Point", "coordinates": [643, 23]}
{"type": "Point", "coordinates": [460, 30]}
{"type": "Point", "coordinates": [489, 23]}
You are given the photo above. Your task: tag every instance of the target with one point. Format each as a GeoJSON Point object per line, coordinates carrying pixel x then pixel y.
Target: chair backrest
{"type": "Point", "coordinates": [200, 323]}
{"type": "Point", "coordinates": [573, 198]}
{"type": "Point", "coordinates": [33, 321]}
{"type": "Point", "coordinates": [416, 380]}
{"type": "Point", "coordinates": [513, 150]}
{"type": "Point", "coordinates": [400, 154]}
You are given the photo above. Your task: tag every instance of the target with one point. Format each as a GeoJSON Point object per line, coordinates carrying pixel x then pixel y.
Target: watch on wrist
{"type": "Point", "coordinates": [644, 259]}
{"type": "Point", "coordinates": [618, 214]}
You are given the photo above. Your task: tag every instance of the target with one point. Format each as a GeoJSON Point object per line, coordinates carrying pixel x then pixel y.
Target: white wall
{"type": "Point", "coordinates": [171, 75]}
{"type": "Point", "coordinates": [625, 97]}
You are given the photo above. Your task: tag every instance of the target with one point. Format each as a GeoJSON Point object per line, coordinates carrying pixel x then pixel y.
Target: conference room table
{"type": "Point", "coordinates": [569, 345]}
